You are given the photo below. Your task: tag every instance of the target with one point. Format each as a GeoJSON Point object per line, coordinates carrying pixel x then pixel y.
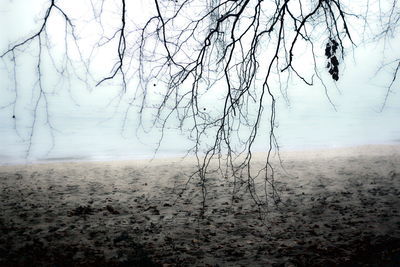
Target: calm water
{"type": "Point", "coordinates": [87, 128]}
{"type": "Point", "coordinates": [97, 133]}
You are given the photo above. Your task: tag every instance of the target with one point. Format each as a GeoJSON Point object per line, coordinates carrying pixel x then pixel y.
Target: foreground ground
{"type": "Point", "coordinates": [339, 208]}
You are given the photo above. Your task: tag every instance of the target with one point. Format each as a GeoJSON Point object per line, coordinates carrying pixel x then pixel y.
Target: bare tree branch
{"type": "Point", "coordinates": [213, 69]}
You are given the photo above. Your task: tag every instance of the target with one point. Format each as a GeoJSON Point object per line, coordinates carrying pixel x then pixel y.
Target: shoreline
{"type": "Point", "coordinates": [339, 207]}
{"type": "Point", "coordinates": [290, 153]}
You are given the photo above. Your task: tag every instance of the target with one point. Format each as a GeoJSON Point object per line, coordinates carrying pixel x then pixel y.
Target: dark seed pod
{"type": "Point", "coordinates": [334, 45]}
{"type": "Point", "coordinates": [334, 61]}
{"type": "Point", "coordinates": [328, 50]}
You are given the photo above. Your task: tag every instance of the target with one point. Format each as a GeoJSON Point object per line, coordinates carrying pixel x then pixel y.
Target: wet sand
{"type": "Point", "coordinates": [340, 207]}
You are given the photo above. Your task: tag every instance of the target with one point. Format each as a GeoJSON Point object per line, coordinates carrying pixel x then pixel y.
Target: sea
{"type": "Point", "coordinates": [76, 124]}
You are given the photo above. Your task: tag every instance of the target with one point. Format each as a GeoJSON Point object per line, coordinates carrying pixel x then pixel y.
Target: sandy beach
{"type": "Point", "coordinates": [340, 207]}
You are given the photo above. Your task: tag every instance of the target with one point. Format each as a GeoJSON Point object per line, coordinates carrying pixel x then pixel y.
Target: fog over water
{"type": "Point", "coordinates": [86, 124]}
{"type": "Point", "coordinates": [90, 129]}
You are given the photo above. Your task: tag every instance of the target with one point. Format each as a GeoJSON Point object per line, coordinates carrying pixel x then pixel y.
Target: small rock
{"type": "Point", "coordinates": [111, 209]}
{"type": "Point", "coordinates": [122, 237]}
